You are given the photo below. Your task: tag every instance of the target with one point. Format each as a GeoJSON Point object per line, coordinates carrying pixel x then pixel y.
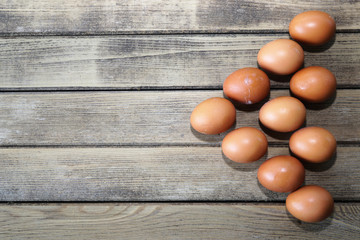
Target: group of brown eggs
{"type": "Point", "coordinates": [282, 114]}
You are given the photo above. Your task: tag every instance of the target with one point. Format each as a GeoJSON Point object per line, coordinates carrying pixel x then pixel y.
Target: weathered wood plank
{"type": "Point", "coordinates": [112, 16]}
{"type": "Point", "coordinates": [145, 117]}
{"type": "Point", "coordinates": [178, 61]}
{"type": "Point", "coordinates": [156, 174]}
{"type": "Point", "coordinates": [171, 221]}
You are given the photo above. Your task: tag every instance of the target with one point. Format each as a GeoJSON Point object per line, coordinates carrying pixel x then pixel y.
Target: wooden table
{"type": "Point", "coordinates": [94, 126]}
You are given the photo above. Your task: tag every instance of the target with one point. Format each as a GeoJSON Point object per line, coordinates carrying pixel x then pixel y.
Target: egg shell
{"type": "Point", "coordinates": [313, 84]}
{"type": "Point", "coordinates": [312, 28]}
{"type": "Point", "coordinates": [281, 56]}
{"type": "Point", "coordinates": [313, 144]}
{"type": "Point", "coordinates": [243, 145]}
{"type": "Point", "coordinates": [281, 174]}
{"type": "Point", "coordinates": [247, 85]}
{"type": "Point", "coordinates": [213, 116]}
{"type": "Point", "coordinates": [283, 114]}
{"type": "Point", "coordinates": [310, 203]}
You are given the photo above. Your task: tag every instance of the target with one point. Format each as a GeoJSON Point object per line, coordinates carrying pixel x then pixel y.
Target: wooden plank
{"type": "Point", "coordinates": [145, 117]}
{"type": "Point", "coordinates": [156, 174]}
{"type": "Point", "coordinates": [111, 16]}
{"type": "Point", "coordinates": [171, 221]}
{"type": "Point", "coordinates": [177, 61]}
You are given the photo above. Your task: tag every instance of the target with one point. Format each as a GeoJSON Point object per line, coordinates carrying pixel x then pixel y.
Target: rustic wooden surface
{"type": "Point", "coordinates": [171, 221]}
{"type": "Point", "coordinates": [40, 17]}
{"type": "Point", "coordinates": [156, 174]}
{"type": "Point", "coordinates": [145, 117]}
{"type": "Point", "coordinates": [157, 61]}
{"type": "Point", "coordinates": [95, 140]}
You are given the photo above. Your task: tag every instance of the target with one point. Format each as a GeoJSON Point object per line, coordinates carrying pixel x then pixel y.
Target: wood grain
{"type": "Point", "coordinates": [171, 221]}
{"type": "Point", "coordinates": [156, 174]}
{"type": "Point", "coordinates": [161, 62]}
{"type": "Point", "coordinates": [133, 145]}
{"type": "Point", "coordinates": [159, 16]}
{"type": "Point", "coordinates": [144, 117]}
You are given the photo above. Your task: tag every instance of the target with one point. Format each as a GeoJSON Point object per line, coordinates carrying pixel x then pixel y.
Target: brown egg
{"type": "Point", "coordinates": [281, 174]}
{"type": "Point", "coordinates": [213, 116]}
{"type": "Point", "coordinates": [246, 144]}
{"type": "Point", "coordinates": [312, 28]}
{"type": "Point", "coordinates": [310, 203]}
{"type": "Point", "coordinates": [313, 144]}
{"type": "Point", "coordinates": [313, 84]}
{"type": "Point", "coordinates": [282, 56]}
{"type": "Point", "coordinates": [283, 114]}
{"type": "Point", "coordinates": [247, 85]}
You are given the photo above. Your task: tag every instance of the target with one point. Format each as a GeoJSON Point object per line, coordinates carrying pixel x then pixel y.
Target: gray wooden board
{"type": "Point", "coordinates": [144, 118]}
{"type": "Point", "coordinates": [157, 174]}
{"type": "Point", "coordinates": [112, 16]}
{"type": "Point", "coordinates": [171, 221]}
{"type": "Point", "coordinates": [158, 61]}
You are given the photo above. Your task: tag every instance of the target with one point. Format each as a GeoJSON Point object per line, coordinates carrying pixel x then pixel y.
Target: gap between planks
{"type": "Point", "coordinates": [173, 202]}
{"type": "Point", "coordinates": [143, 88]}
{"type": "Point", "coordinates": [154, 33]}
{"type": "Point", "coordinates": [160, 145]}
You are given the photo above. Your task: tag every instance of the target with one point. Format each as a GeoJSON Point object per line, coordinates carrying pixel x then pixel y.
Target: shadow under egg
{"type": "Point", "coordinates": [271, 195]}
{"type": "Point", "coordinates": [244, 167]}
{"type": "Point", "coordinates": [317, 167]}
{"type": "Point", "coordinates": [279, 78]}
{"type": "Point", "coordinates": [311, 227]}
{"type": "Point", "coordinates": [248, 107]}
{"type": "Point", "coordinates": [277, 135]}
{"type": "Point", "coordinates": [317, 106]}
{"type": "Point", "coordinates": [318, 49]}
{"type": "Point", "coordinates": [212, 138]}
